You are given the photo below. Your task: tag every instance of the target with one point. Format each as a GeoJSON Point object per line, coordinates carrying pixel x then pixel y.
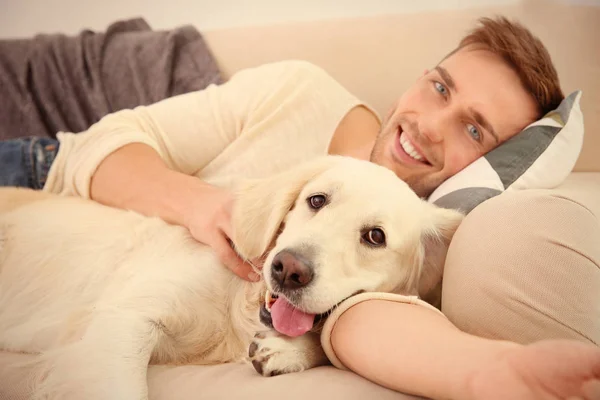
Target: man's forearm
{"type": "Point", "coordinates": [411, 349]}
{"type": "Point", "coordinates": [134, 177]}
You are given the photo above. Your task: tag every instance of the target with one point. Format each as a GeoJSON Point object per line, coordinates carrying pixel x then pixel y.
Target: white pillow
{"type": "Point", "coordinates": [539, 157]}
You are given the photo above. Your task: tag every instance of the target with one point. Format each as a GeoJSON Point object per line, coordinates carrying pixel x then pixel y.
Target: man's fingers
{"type": "Point", "coordinates": [232, 261]}
{"type": "Point", "coordinates": [225, 227]}
{"type": "Point", "coordinates": [227, 231]}
{"type": "Point", "coordinates": [258, 262]}
{"type": "Point", "coordinates": [252, 264]}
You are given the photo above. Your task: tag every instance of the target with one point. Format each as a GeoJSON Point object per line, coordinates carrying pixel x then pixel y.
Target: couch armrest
{"type": "Point", "coordinates": [525, 266]}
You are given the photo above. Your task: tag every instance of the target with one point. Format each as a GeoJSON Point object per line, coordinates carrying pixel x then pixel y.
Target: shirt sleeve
{"type": "Point", "coordinates": [351, 302]}
{"type": "Point", "coordinates": [187, 131]}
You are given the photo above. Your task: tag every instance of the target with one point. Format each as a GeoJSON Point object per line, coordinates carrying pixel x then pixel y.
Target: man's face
{"type": "Point", "coordinates": [469, 104]}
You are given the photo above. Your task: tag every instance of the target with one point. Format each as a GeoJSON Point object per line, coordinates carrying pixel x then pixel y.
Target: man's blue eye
{"type": "Point", "coordinates": [441, 88]}
{"type": "Point", "coordinates": [474, 132]}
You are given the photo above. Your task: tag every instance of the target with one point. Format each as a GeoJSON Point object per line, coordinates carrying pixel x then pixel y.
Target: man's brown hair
{"type": "Point", "coordinates": [524, 52]}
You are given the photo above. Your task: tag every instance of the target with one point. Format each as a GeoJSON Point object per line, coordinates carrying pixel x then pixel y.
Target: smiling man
{"type": "Point", "coordinates": [478, 97]}
{"type": "Point", "coordinates": [178, 159]}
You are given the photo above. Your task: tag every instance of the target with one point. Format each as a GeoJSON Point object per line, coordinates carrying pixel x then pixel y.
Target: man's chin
{"type": "Point", "coordinates": [422, 184]}
{"type": "Point", "coordinates": [420, 178]}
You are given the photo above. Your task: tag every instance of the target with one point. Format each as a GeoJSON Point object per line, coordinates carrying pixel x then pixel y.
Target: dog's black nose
{"type": "Point", "coordinates": [291, 271]}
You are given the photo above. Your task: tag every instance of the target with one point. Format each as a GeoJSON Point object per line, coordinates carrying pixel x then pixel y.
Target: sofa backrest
{"type": "Point", "coordinates": [377, 58]}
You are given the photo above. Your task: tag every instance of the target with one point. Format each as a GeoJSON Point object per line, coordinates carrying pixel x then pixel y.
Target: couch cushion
{"type": "Point", "coordinates": [228, 381]}
{"type": "Point", "coordinates": [584, 189]}
{"type": "Point", "coordinates": [242, 382]}
{"type": "Point", "coordinates": [525, 266]}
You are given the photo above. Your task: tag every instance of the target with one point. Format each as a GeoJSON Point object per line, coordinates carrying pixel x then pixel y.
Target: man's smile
{"type": "Point", "coordinates": [405, 152]}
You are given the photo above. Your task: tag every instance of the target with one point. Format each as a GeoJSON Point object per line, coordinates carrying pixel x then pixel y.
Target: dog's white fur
{"type": "Point", "coordinates": [100, 293]}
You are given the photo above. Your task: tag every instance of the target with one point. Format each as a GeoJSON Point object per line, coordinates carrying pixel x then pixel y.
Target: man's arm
{"type": "Point", "coordinates": [187, 131]}
{"type": "Point", "coordinates": [143, 159]}
{"type": "Point", "coordinates": [140, 159]}
{"type": "Point", "coordinates": [412, 349]}
{"type": "Point", "coordinates": [135, 177]}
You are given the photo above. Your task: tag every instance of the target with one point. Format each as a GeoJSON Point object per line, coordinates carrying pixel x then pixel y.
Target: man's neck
{"type": "Point", "coordinates": [356, 134]}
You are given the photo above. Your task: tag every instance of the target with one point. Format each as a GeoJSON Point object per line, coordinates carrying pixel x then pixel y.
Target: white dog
{"type": "Point", "coordinates": [99, 293]}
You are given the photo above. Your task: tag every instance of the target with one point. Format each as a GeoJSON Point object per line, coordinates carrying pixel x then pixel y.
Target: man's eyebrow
{"type": "Point", "coordinates": [484, 122]}
{"type": "Point", "coordinates": [446, 77]}
{"type": "Point", "coordinates": [476, 114]}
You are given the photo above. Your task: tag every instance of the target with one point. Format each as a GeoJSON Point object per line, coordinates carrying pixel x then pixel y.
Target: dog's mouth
{"type": "Point", "coordinates": [278, 313]}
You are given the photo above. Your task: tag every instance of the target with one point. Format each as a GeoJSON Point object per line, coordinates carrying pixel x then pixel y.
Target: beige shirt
{"type": "Point", "coordinates": [261, 121]}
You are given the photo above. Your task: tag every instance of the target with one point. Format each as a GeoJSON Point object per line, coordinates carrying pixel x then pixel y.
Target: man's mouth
{"type": "Point", "coordinates": [277, 312]}
{"type": "Point", "coordinates": [407, 152]}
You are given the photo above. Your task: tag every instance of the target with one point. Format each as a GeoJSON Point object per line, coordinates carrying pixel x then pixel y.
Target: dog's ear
{"type": "Point", "coordinates": [435, 240]}
{"type": "Point", "coordinates": [262, 204]}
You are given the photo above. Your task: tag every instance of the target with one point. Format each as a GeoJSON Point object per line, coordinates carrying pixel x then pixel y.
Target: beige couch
{"type": "Point", "coordinates": [523, 266]}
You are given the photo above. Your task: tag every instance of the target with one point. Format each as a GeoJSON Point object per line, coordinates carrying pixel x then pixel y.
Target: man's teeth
{"type": "Point", "coordinates": [409, 149]}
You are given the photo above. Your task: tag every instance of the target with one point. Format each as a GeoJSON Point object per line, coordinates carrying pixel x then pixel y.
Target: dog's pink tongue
{"type": "Point", "coordinates": [288, 320]}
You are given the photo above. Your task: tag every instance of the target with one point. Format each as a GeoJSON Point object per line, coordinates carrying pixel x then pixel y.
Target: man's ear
{"type": "Point", "coordinates": [262, 204]}
{"type": "Point", "coordinates": [435, 241]}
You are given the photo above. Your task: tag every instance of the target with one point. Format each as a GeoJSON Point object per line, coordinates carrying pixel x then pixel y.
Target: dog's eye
{"type": "Point", "coordinates": [375, 237]}
{"type": "Point", "coordinates": [317, 201]}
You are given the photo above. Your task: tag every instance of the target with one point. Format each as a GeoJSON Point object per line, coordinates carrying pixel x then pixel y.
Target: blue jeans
{"type": "Point", "coordinates": [25, 162]}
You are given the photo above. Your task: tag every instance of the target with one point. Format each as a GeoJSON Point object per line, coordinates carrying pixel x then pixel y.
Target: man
{"type": "Point", "coordinates": [178, 158]}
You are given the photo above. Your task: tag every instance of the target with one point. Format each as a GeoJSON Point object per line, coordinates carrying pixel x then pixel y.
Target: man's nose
{"type": "Point", "coordinates": [435, 125]}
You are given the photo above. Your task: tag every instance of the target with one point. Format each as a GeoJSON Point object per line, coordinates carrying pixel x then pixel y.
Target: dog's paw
{"type": "Point", "coordinates": [272, 353]}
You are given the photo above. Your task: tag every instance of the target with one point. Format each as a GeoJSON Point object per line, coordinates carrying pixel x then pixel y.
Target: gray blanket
{"type": "Point", "coordinates": [53, 83]}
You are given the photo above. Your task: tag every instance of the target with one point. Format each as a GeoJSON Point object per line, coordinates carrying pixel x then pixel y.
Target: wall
{"type": "Point", "coordinates": [22, 18]}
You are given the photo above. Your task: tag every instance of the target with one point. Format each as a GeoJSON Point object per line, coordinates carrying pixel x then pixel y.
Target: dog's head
{"type": "Point", "coordinates": [336, 227]}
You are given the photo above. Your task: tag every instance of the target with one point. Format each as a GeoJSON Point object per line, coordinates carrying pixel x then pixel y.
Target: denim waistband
{"type": "Point", "coordinates": [25, 162]}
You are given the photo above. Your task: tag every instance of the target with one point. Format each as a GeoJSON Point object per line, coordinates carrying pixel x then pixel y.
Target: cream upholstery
{"type": "Point", "coordinates": [525, 266]}
{"type": "Point", "coordinates": [229, 382]}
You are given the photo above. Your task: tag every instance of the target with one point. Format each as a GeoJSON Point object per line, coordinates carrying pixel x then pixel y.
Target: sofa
{"type": "Point", "coordinates": [523, 266]}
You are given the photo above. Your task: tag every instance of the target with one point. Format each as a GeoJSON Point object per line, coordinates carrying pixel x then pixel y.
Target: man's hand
{"type": "Point", "coordinates": [134, 177]}
{"type": "Point", "coordinates": [209, 222]}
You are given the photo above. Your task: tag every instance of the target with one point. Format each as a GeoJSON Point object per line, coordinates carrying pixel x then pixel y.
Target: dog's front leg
{"type": "Point", "coordinates": [273, 354]}
{"type": "Point", "coordinates": [109, 362]}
